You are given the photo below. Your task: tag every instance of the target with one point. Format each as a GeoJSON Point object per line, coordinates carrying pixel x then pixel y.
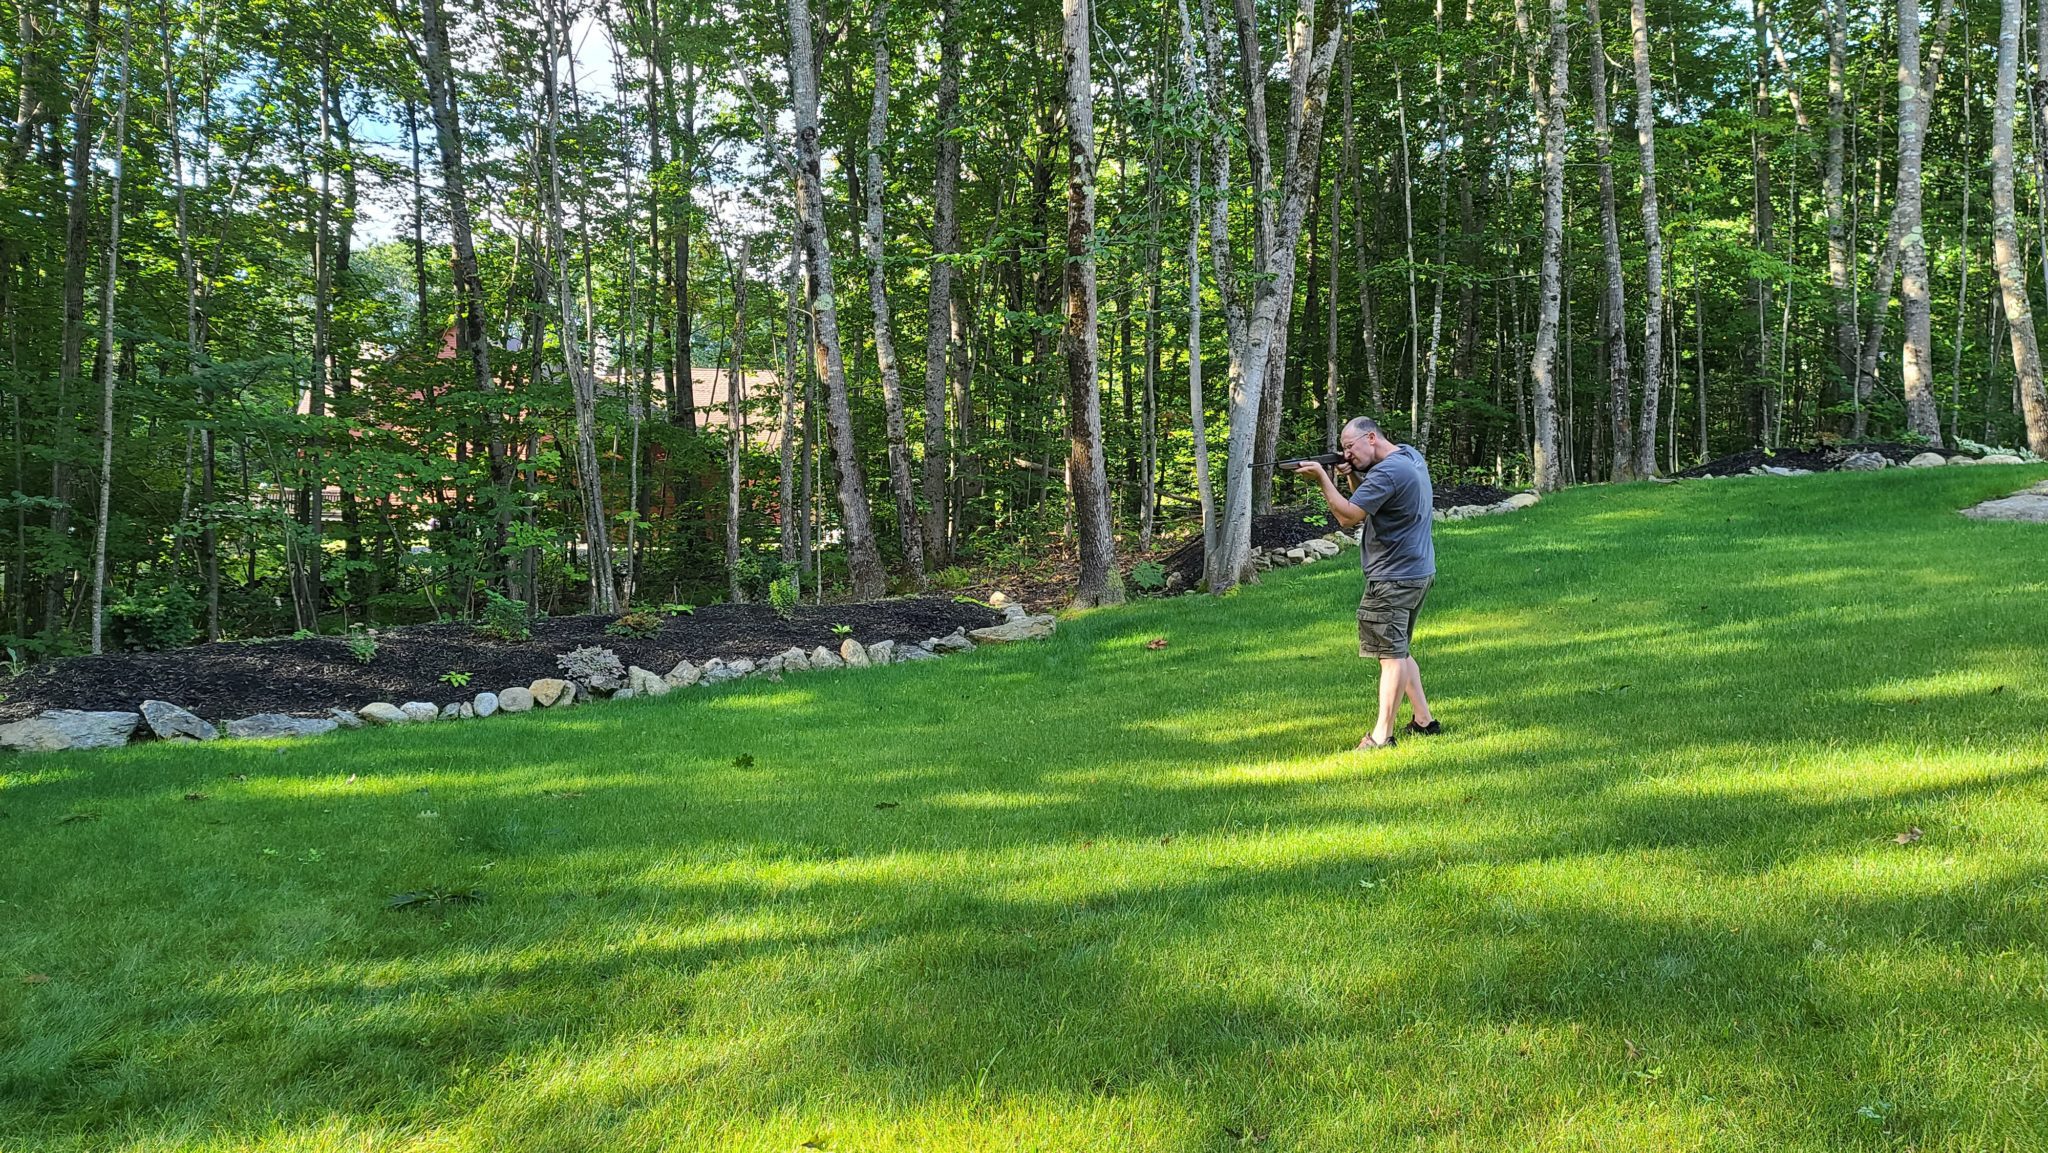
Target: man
{"type": "Point", "coordinates": [1394, 502]}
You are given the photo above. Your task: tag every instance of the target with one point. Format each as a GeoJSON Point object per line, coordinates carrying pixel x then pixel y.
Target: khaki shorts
{"type": "Point", "coordinates": [1386, 617]}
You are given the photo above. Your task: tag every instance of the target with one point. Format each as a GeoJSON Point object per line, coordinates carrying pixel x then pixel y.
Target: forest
{"type": "Point", "coordinates": [361, 312]}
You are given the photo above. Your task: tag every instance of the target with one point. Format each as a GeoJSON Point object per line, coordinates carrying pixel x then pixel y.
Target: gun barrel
{"type": "Point", "coordinates": [1326, 459]}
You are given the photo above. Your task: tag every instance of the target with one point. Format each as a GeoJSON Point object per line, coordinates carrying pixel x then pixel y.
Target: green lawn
{"type": "Point", "coordinates": [1645, 894]}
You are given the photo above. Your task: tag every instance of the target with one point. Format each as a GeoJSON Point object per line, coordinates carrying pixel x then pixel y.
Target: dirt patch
{"type": "Point", "coordinates": [1813, 458]}
{"type": "Point", "coordinates": [308, 677]}
{"type": "Point", "coordinates": [1455, 495]}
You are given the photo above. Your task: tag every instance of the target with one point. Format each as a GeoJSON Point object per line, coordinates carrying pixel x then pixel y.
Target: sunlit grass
{"type": "Point", "coordinates": [1647, 893]}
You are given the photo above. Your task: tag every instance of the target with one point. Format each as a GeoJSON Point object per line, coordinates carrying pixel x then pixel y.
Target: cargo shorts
{"type": "Point", "coordinates": [1386, 617]}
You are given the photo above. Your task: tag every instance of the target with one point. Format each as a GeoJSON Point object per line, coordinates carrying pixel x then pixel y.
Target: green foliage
{"type": "Point", "coordinates": [454, 678]}
{"type": "Point", "coordinates": [639, 625]}
{"type": "Point", "coordinates": [1149, 576]}
{"type": "Point", "coordinates": [361, 645]}
{"type": "Point", "coordinates": [842, 630]}
{"type": "Point", "coordinates": [678, 610]}
{"type": "Point", "coordinates": [782, 594]}
{"type": "Point", "coordinates": [303, 634]}
{"type": "Point", "coordinates": [164, 616]}
{"type": "Point", "coordinates": [951, 577]}
{"type": "Point", "coordinates": [503, 618]}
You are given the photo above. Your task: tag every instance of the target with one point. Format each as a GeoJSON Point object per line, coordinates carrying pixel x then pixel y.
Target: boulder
{"type": "Point", "coordinates": [269, 726]}
{"type": "Point", "coordinates": [794, 660]}
{"type": "Point", "coordinates": [2029, 505]}
{"type": "Point", "coordinates": [1014, 612]}
{"type": "Point", "coordinates": [451, 712]}
{"type": "Point", "coordinates": [824, 658]}
{"type": "Point", "coordinates": [466, 710]}
{"type": "Point", "coordinates": [915, 653]}
{"type": "Point", "coordinates": [1028, 629]}
{"type": "Point", "coordinates": [382, 713]}
{"type": "Point", "coordinates": [953, 642]}
{"type": "Point", "coordinates": [548, 690]}
{"type": "Point", "coordinates": [345, 719]}
{"type": "Point", "coordinates": [741, 667]}
{"type": "Point", "coordinates": [683, 675]}
{"type": "Point", "coordinates": [1865, 462]}
{"type": "Point", "coordinates": [485, 704]}
{"type": "Point", "coordinates": [55, 729]}
{"type": "Point", "coordinates": [718, 670]}
{"type": "Point", "coordinates": [1927, 460]}
{"type": "Point", "coordinates": [1322, 546]}
{"type": "Point", "coordinates": [625, 694]}
{"type": "Point", "coordinates": [645, 683]}
{"type": "Point", "coordinates": [997, 600]}
{"type": "Point", "coordinates": [515, 699]}
{"type": "Point", "coordinates": [1774, 470]}
{"type": "Point", "coordinates": [882, 653]}
{"type": "Point", "coordinates": [1467, 511]}
{"type": "Point", "coordinates": [421, 711]}
{"type": "Point", "coordinates": [2001, 458]}
{"type": "Point", "coordinates": [1964, 460]}
{"type": "Point", "coordinates": [171, 723]}
{"type": "Point", "coordinates": [1297, 554]}
{"type": "Point", "coordinates": [854, 654]}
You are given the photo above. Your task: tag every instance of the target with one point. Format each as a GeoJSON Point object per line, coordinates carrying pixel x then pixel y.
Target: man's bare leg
{"type": "Point", "coordinates": [1393, 678]}
{"type": "Point", "coordinates": [1411, 686]}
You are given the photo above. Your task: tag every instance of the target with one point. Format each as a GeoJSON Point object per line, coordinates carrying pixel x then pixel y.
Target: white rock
{"type": "Point", "coordinates": [683, 675]}
{"type": "Point", "coordinates": [345, 719]}
{"type": "Point", "coordinates": [421, 711]}
{"type": "Point", "coordinates": [485, 704]}
{"type": "Point", "coordinates": [954, 642]}
{"type": "Point", "coordinates": [1297, 554]}
{"type": "Point", "coordinates": [515, 699]}
{"type": "Point", "coordinates": [1322, 546]}
{"type": "Point", "coordinates": [794, 660]}
{"type": "Point", "coordinates": [548, 691]}
{"type": "Point", "coordinates": [1774, 470]}
{"type": "Point", "coordinates": [55, 729]}
{"type": "Point", "coordinates": [466, 710]}
{"type": "Point", "coordinates": [382, 713]}
{"type": "Point", "coordinates": [451, 712]}
{"type": "Point", "coordinates": [2029, 505]}
{"type": "Point", "coordinates": [1964, 460]}
{"type": "Point", "coordinates": [645, 683]}
{"type": "Point", "coordinates": [171, 723]}
{"type": "Point", "coordinates": [624, 694]}
{"type": "Point", "coordinates": [824, 658]}
{"type": "Point", "coordinates": [1927, 460]}
{"type": "Point", "coordinates": [1014, 612]}
{"type": "Point", "coordinates": [854, 654]}
{"type": "Point", "coordinates": [263, 726]}
{"type": "Point", "coordinates": [915, 653]}
{"type": "Point", "coordinates": [741, 667]}
{"type": "Point", "coordinates": [2001, 458]}
{"type": "Point", "coordinates": [1865, 462]}
{"type": "Point", "coordinates": [1521, 499]}
{"type": "Point", "coordinates": [1028, 629]}
{"type": "Point", "coordinates": [997, 600]}
{"type": "Point", "coordinates": [882, 653]}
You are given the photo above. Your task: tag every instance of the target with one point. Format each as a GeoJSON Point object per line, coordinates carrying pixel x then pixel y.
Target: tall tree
{"type": "Point", "coordinates": [1614, 319]}
{"type": "Point", "coordinates": [940, 313]}
{"type": "Point", "coordinates": [1543, 357]}
{"type": "Point", "coordinates": [907, 525]}
{"type": "Point", "coordinates": [864, 561]}
{"type": "Point", "coordinates": [1915, 300]}
{"type": "Point", "coordinates": [107, 351]}
{"type": "Point", "coordinates": [1087, 473]}
{"type": "Point", "coordinates": [1653, 242]}
{"type": "Point", "coordinates": [2012, 269]}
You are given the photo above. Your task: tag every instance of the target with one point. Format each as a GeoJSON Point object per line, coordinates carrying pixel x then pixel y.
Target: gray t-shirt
{"type": "Point", "coordinates": [1398, 502]}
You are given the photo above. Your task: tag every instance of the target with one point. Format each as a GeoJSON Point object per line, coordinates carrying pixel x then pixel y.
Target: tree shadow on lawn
{"type": "Point", "coordinates": [1141, 881]}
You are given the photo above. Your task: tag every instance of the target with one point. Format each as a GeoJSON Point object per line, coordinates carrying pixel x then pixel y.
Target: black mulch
{"type": "Point", "coordinates": [1812, 458]}
{"type": "Point", "coordinates": [227, 680]}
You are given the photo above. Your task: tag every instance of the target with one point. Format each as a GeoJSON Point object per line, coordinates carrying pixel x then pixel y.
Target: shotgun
{"type": "Point", "coordinates": [1327, 460]}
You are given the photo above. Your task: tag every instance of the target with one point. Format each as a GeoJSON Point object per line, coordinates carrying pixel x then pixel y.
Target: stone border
{"type": "Point", "coordinates": [1869, 462]}
{"type": "Point", "coordinates": [1330, 544]}
{"type": "Point", "coordinates": [2027, 506]}
{"type": "Point", "coordinates": [57, 729]}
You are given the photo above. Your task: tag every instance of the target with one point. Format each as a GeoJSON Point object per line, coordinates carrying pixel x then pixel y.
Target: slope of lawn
{"type": "Point", "coordinates": [1647, 893]}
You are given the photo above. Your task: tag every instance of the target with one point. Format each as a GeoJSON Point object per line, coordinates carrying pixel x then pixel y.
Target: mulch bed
{"type": "Point", "coordinates": [1812, 458]}
{"type": "Point", "coordinates": [308, 677]}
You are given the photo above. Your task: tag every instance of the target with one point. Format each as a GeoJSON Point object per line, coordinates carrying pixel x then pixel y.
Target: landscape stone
{"type": "Point", "coordinates": [824, 658]}
{"type": "Point", "coordinates": [1954, 460]}
{"type": "Point", "coordinates": [794, 660]}
{"type": "Point", "coordinates": [515, 699]}
{"type": "Point", "coordinates": [882, 653]}
{"type": "Point", "coordinates": [2028, 506]}
{"type": "Point", "coordinates": [645, 683]}
{"type": "Point", "coordinates": [1322, 547]}
{"type": "Point", "coordinates": [1865, 462]}
{"type": "Point", "coordinates": [55, 729]}
{"type": "Point", "coordinates": [1014, 612]}
{"type": "Point", "coordinates": [382, 713]}
{"type": "Point", "coordinates": [954, 642]}
{"type": "Point", "coordinates": [485, 704]}
{"type": "Point", "coordinates": [1028, 629]}
{"type": "Point", "coordinates": [421, 711]}
{"type": "Point", "coordinates": [265, 726]}
{"type": "Point", "coordinates": [171, 723]}
{"type": "Point", "coordinates": [2001, 458]}
{"type": "Point", "coordinates": [740, 667]}
{"type": "Point", "coordinates": [1927, 460]}
{"type": "Point", "coordinates": [345, 719]}
{"type": "Point", "coordinates": [683, 675]}
{"type": "Point", "coordinates": [451, 712]}
{"type": "Point", "coordinates": [547, 690]}
{"type": "Point", "coordinates": [1297, 554]}
{"type": "Point", "coordinates": [625, 694]}
{"type": "Point", "coordinates": [854, 654]}
{"type": "Point", "coordinates": [997, 600]}
{"type": "Point", "coordinates": [915, 653]}
{"type": "Point", "coordinates": [466, 710]}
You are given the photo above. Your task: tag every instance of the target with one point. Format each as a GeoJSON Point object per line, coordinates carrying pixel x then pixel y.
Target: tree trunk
{"type": "Point", "coordinates": [792, 318]}
{"type": "Point", "coordinates": [1198, 406]}
{"type": "Point", "coordinates": [1915, 302]}
{"type": "Point", "coordinates": [1839, 252]}
{"type": "Point", "coordinates": [864, 562]}
{"type": "Point", "coordinates": [604, 595]}
{"type": "Point", "coordinates": [107, 358]}
{"type": "Point", "coordinates": [735, 425]}
{"type": "Point", "coordinates": [2012, 273]}
{"type": "Point", "coordinates": [1543, 359]}
{"type": "Point", "coordinates": [878, 301]}
{"type": "Point", "coordinates": [1614, 334]}
{"type": "Point", "coordinates": [940, 313]}
{"type": "Point", "coordinates": [195, 345]}
{"type": "Point", "coordinates": [1653, 244]}
{"type": "Point", "coordinates": [1087, 474]}
{"type": "Point", "coordinates": [77, 243]}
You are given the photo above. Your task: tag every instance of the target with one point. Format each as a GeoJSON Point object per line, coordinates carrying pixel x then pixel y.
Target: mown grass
{"type": "Point", "coordinates": [1646, 894]}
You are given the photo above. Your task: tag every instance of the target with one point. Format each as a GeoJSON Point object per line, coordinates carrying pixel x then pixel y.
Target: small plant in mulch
{"type": "Point", "coordinates": [361, 645]}
{"type": "Point", "coordinates": [782, 595]}
{"type": "Point", "coordinates": [638, 625]}
{"type": "Point", "coordinates": [435, 898]}
{"type": "Point", "coordinates": [503, 618]}
{"type": "Point", "coordinates": [1149, 576]}
{"type": "Point", "coordinates": [673, 609]}
{"type": "Point", "coordinates": [454, 678]}
{"type": "Point", "coordinates": [842, 630]}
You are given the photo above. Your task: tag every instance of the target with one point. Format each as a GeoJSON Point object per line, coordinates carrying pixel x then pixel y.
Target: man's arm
{"type": "Point", "coordinates": [1347, 515]}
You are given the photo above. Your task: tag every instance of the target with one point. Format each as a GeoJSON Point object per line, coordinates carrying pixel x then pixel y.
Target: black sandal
{"type": "Point", "coordinates": [1433, 728]}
